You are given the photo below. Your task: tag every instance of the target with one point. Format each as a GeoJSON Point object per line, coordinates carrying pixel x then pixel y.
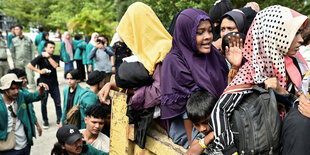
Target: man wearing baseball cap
{"type": "Point", "coordinates": [70, 140]}
{"type": "Point", "coordinates": [89, 95]}
{"type": "Point", "coordinates": [13, 113]}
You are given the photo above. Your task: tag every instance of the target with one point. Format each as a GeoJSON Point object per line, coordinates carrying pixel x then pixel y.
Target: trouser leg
{"type": "Point", "coordinates": [56, 97]}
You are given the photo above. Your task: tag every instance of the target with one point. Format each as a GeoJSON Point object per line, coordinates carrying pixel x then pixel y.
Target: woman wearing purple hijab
{"type": "Point", "coordinates": [192, 64]}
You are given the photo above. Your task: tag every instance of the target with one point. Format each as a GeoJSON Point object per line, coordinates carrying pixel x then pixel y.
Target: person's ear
{"type": "Point", "coordinates": [63, 147]}
{"type": "Point", "coordinates": [85, 119]}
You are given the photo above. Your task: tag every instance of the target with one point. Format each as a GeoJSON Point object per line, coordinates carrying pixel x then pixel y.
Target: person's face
{"type": "Point", "coordinates": [46, 37]}
{"type": "Point", "coordinates": [24, 79]}
{"type": "Point", "coordinates": [228, 26]}
{"type": "Point", "coordinates": [50, 48]}
{"type": "Point", "coordinates": [68, 36]}
{"type": "Point", "coordinates": [95, 38]}
{"type": "Point", "coordinates": [204, 36]}
{"type": "Point", "coordinates": [296, 43]}
{"type": "Point", "coordinates": [94, 125]}
{"type": "Point", "coordinates": [71, 82]}
{"type": "Point", "coordinates": [18, 31]}
{"type": "Point", "coordinates": [203, 126]}
{"type": "Point", "coordinates": [75, 148]}
{"type": "Point", "coordinates": [13, 91]}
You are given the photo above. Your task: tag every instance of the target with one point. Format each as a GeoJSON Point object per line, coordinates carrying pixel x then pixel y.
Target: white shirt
{"type": "Point", "coordinates": [102, 142]}
{"type": "Point", "coordinates": [20, 135]}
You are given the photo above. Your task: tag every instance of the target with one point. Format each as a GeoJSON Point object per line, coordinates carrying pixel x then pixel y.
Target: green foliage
{"type": "Point", "coordinates": [88, 16]}
{"type": "Point", "coordinates": [165, 10]}
{"type": "Point", "coordinates": [94, 17]}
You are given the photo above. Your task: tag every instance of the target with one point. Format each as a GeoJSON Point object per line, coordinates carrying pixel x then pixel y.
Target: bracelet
{"type": "Point", "coordinates": [48, 57]}
{"type": "Point", "coordinates": [202, 143]}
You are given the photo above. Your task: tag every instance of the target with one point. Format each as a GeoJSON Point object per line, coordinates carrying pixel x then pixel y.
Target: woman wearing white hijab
{"type": "Point", "coordinates": [89, 47]}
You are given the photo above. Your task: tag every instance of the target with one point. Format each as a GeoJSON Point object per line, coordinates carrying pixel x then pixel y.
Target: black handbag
{"type": "Point", "coordinates": [132, 75]}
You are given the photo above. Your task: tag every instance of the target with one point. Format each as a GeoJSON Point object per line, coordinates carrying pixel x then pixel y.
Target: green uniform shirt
{"type": "Point", "coordinates": [22, 50]}
{"type": "Point", "coordinates": [93, 151]}
{"type": "Point", "coordinates": [77, 53]}
{"type": "Point", "coordinates": [22, 114]}
{"type": "Point", "coordinates": [10, 38]}
{"type": "Point", "coordinates": [76, 100]}
{"type": "Point", "coordinates": [88, 98]}
{"type": "Point", "coordinates": [82, 46]}
{"type": "Point", "coordinates": [38, 39]}
{"type": "Point", "coordinates": [41, 46]}
{"type": "Point", "coordinates": [64, 54]}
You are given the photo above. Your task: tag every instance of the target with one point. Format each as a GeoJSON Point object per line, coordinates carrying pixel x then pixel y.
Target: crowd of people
{"type": "Point", "coordinates": [189, 79]}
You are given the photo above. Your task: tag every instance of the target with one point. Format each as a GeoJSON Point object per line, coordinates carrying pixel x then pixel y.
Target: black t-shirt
{"type": "Point", "coordinates": [51, 78]}
{"type": "Point", "coordinates": [70, 100]}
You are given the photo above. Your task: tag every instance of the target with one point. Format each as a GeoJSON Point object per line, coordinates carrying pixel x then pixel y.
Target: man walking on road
{"type": "Point", "coordinates": [47, 64]}
{"type": "Point", "coordinates": [22, 53]}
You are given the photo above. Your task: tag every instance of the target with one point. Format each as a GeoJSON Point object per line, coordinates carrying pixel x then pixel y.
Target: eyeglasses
{"type": "Point", "coordinates": [11, 110]}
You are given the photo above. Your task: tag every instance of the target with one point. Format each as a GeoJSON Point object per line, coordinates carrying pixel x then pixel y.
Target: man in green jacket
{"type": "Point", "coordinates": [71, 93]}
{"type": "Point", "coordinates": [70, 142]}
{"type": "Point", "coordinates": [13, 107]}
{"type": "Point", "coordinates": [21, 75]}
{"type": "Point", "coordinates": [89, 95]}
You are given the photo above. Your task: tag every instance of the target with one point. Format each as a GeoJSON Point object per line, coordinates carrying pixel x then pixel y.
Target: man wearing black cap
{"type": "Point", "coordinates": [71, 142]}
{"type": "Point", "coordinates": [14, 116]}
{"type": "Point", "coordinates": [89, 95]}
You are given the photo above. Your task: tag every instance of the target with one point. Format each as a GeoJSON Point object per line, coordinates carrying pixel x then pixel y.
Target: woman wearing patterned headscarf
{"type": "Point", "coordinates": [270, 51]}
{"type": "Point", "coordinates": [67, 51]}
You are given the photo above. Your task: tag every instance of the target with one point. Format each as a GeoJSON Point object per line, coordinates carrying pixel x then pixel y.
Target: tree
{"type": "Point", "coordinates": [95, 17]}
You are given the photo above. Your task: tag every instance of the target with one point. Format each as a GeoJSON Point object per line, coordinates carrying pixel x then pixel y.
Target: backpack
{"type": "Point", "coordinates": [74, 116]}
{"type": "Point", "coordinates": [256, 123]}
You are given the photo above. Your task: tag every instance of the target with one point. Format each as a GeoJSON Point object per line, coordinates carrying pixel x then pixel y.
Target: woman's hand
{"type": "Point", "coordinates": [275, 84]}
{"type": "Point", "coordinates": [233, 53]}
{"type": "Point", "coordinates": [304, 105]}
